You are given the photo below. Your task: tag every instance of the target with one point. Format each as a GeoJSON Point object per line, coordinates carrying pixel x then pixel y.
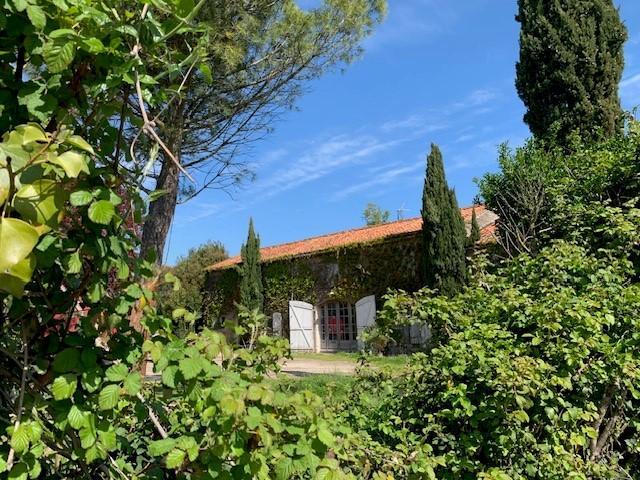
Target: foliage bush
{"type": "Point", "coordinates": [588, 196]}
{"type": "Point", "coordinates": [534, 366]}
{"type": "Point", "coordinates": [77, 306]}
{"type": "Point", "coordinates": [535, 376]}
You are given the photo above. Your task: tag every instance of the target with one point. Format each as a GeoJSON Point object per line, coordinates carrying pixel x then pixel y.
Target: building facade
{"type": "Point", "coordinates": [323, 291]}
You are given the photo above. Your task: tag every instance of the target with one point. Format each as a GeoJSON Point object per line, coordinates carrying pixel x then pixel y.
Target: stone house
{"type": "Point", "coordinates": [323, 291]}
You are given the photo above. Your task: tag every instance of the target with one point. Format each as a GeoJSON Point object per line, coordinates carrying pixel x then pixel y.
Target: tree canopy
{"type": "Point", "coordinates": [374, 215]}
{"type": "Point", "coordinates": [443, 230]}
{"type": "Point", "coordinates": [570, 66]}
{"type": "Point", "coordinates": [257, 61]}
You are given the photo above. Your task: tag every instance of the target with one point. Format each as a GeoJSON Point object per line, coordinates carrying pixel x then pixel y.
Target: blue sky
{"type": "Point", "coordinates": [435, 71]}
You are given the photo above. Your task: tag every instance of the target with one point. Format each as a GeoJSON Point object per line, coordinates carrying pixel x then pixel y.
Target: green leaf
{"type": "Point", "coordinates": [190, 368]}
{"type": "Point", "coordinates": [37, 17]}
{"type": "Point", "coordinates": [108, 439]}
{"type": "Point", "coordinates": [123, 269]}
{"type": "Point", "coordinates": [78, 142]}
{"type": "Point", "coordinates": [91, 380]}
{"type": "Point", "coordinates": [109, 396]}
{"type": "Point", "coordinates": [64, 387]}
{"type": "Point", "coordinates": [72, 162]}
{"type": "Point", "coordinates": [326, 437]}
{"type": "Point", "coordinates": [101, 212]}
{"type": "Point", "coordinates": [62, 33]}
{"type": "Point", "coordinates": [58, 55]}
{"type": "Point", "coordinates": [205, 69]}
{"type": "Point", "coordinates": [169, 376]}
{"type": "Point", "coordinates": [20, 5]}
{"type": "Point", "coordinates": [40, 202]}
{"type": "Point", "coordinates": [17, 240]}
{"type": "Point", "coordinates": [161, 447]}
{"type": "Point", "coordinates": [76, 418]}
{"type": "Point", "coordinates": [87, 435]}
{"type": "Point", "coordinates": [92, 45]}
{"type": "Point", "coordinates": [117, 373]}
{"type": "Point", "coordinates": [80, 198]}
{"type": "Point", "coordinates": [175, 458]}
{"type": "Point", "coordinates": [20, 439]}
{"type": "Point", "coordinates": [20, 471]}
{"type": "Point", "coordinates": [133, 383]}
{"type": "Point", "coordinates": [73, 263]}
{"type": "Point", "coordinates": [66, 361]}
{"type": "Point", "coordinates": [156, 194]}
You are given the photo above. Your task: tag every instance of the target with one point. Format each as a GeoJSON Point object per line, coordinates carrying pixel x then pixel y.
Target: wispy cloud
{"type": "Point", "coordinates": [630, 82]}
{"type": "Point", "coordinates": [381, 179]}
{"type": "Point", "coordinates": [327, 157]}
{"type": "Point", "coordinates": [407, 23]}
{"type": "Point", "coordinates": [477, 98]}
{"type": "Point", "coordinates": [413, 121]}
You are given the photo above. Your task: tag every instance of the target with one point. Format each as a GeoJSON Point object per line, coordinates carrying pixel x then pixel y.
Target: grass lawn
{"type": "Point", "coordinates": [395, 361]}
{"type": "Point", "coordinates": [324, 385]}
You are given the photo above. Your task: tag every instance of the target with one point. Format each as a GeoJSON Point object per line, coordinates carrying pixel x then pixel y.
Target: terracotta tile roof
{"type": "Point", "coordinates": [486, 220]}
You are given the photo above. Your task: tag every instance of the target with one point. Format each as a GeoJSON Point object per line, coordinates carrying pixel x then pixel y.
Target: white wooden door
{"type": "Point", "coordinates": [301, 336]}
{"type": "Point", "coordinates": [365, 316]}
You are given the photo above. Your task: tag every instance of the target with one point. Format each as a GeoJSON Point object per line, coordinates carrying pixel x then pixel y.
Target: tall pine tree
{"type": "Point", "coordinates": [251, 293]}
{"type": "Point", "coordinates": [443, 230]}
{"type": "Point", "coordinates": [571, 62]}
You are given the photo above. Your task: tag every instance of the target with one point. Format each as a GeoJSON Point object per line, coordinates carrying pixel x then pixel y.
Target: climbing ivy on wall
{"type": "Point", "coordinates": [346, 273]}
{"type": "Point", "coordinates": [284, 281]}
{"type": "Point", "coordinates": [371, 269]}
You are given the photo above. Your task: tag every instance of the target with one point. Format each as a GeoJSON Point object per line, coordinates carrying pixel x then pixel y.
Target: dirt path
{"type": "Point", "coordinates": [302, 366]}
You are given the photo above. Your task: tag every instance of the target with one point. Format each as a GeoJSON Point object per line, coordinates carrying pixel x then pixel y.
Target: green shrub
{"type": "Point", "coordinates": [535, 376]}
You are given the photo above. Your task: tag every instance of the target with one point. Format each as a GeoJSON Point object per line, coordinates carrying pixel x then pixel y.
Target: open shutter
{"type": "Point", "coordinates": [365, 316]}
{"type": "Point", "coordinates": [301, 326]}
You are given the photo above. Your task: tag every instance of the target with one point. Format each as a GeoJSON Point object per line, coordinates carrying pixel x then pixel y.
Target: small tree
{"type": "Point", "coordinates": [251, 294]}
{"type": "Point", "coordinates": [190, 270]}
{"type": "Point", "coordinates": [374, 215]}
{"type": "Point", "coordinates": [443, 230]}
{"type": "Point", "coordinates": [474, 235]}
{"type": "Point", "coordinates": [571, 63]}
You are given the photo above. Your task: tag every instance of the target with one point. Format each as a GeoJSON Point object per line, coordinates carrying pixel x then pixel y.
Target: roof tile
{"type": "Point", "coordinates": [486, 220]}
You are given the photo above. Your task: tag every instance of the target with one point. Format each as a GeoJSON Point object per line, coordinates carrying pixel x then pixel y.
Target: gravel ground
{"type": "Point", "coordinates": [303, 366]}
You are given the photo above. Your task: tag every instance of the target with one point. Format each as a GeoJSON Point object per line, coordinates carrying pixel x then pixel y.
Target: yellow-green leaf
{"type": "Point", "coordinates": [16, 278]}
{"type": "Point", "coordinates": [101, 212]}
{"type": "Point", "coordinates": [109, 397]}
{"type": "Point", "coordinates": [20, 438]}
{"type": "Point", "coordinates": [72, 162]}
{"type": "Point", "coordinates": [79, 142]}
{"type": "Point", "coordinates": [175, 458]}
{"type": "Point", "coordinates": [36, 16]}
{"type": "Point", "coordinates": [64, 387]}
{"type": "Point", "coordinates": [40, 202]}
{"type": "Point", "coordinates": [17, 240]}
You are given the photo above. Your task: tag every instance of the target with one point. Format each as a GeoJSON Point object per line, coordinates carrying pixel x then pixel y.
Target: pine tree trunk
{"type": "Point", "coordinates": [161, 212]}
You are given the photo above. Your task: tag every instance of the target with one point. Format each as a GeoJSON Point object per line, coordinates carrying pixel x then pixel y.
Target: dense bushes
{"type": "Point", "coordinates": [77, 308]}
{"type": "Point", "coordinates": [536, 377]}
{"type": "Point", "coordinates": [535, 366]}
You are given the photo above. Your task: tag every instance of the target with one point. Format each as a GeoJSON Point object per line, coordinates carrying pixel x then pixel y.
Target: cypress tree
{"type": "Point", "coordinates": [571, 62]}
{"type": "Point", "coordinates": [474, 235]}
{"type": "Point", "coordinates": [251, 294]}
{"type": "Point", "coordinates": [443, 230]}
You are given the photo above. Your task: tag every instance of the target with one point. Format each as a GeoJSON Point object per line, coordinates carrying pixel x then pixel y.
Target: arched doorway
{"type": "Point", "coordinates": [338, 328]}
